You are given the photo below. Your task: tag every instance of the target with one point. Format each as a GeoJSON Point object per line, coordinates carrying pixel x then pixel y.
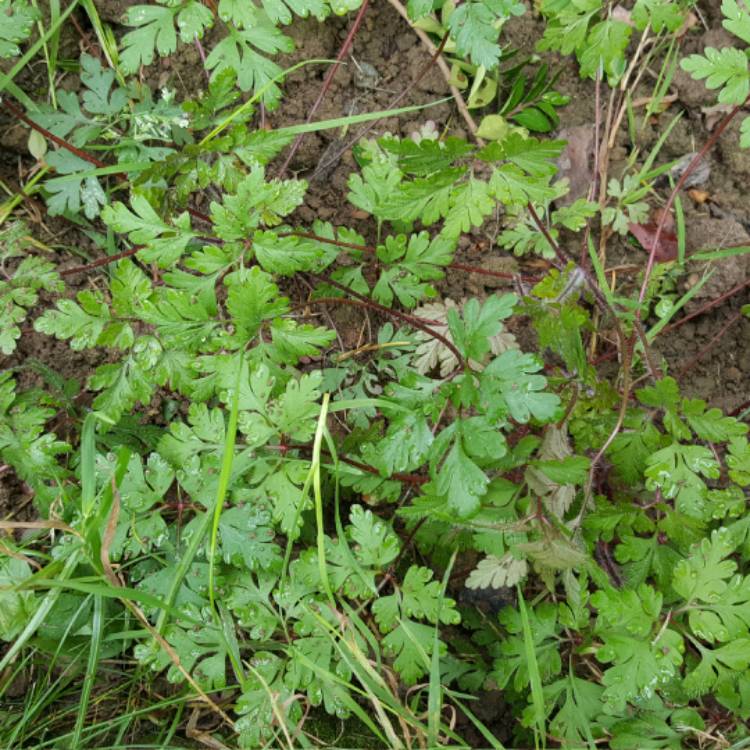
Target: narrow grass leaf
{"type": "Point", "coordinates": [535, 680]}
{"type": "Point", "coordinates": [91, 668]}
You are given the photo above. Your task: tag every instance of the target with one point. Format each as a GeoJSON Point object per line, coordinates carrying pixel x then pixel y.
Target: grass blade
{"type": "Point", "coordinates": [341, 122]}
{"type": "Point", "coordinates": [535, 680]}
{"type": "Point", "coordinates": [435, 690]}
{"type": "Point", "coordinates": [41, 611]}
{"type": "Point", "coordinates": [91, 669]}
{"type": "Point", "coordinates": [681, 235]}
{"type": "Point", "coordinates": [492, 741]}
{"type": "Point", "coordinates": [230, 438]}
{"type": "Point", "coordinates": [317, 492]}
{"type": "Point", "coordinates": [88, 465]}
{"type": "Point", "coordinates": [726, 252]}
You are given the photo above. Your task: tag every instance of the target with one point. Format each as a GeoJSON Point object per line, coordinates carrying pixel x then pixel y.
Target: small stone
{"type": "Point", "coordinates": [699, 175]}
{"type": "Point", "coordinates": [734, 374]}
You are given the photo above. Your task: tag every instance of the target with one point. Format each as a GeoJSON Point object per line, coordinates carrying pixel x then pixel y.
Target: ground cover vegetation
{"type": "Point", "coordinates": [237, 531]}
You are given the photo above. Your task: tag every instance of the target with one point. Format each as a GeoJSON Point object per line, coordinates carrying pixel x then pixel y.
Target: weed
{"type": "Point", "coordinates": [246, 522]}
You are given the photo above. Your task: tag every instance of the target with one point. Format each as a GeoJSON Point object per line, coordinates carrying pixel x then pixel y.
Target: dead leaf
{"type": "Point", "coordinates": [555, 447]}
{"type": "Point", "coordinates": [715, 113]}
{"type": "Point", "coordinates": [622, 14]}
{"type": "Point", "coordinates": [431, 352]}
{"type": "Point", "coordinates": [699, 197]}
{"type": "Point", "coordinates": [663, 103]}
{"type": "Point", "coordinates": [690, 20]}
{"type": "Point", "coordinates": [666, 249]}
{"type": "Point", "coordinates": [698, 176]}
{"type": "Point", "coordinates": [497, 572]}
{"type": "Point", "coordinates": [575, 163]}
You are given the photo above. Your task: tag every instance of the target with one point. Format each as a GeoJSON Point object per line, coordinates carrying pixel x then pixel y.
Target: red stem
{"type": "Point", "coordinates": [412, 320]}
{"type": "Point", "coordinates": [398, 476]}
{"type": "Point", "coordinates": [356, 303]}
{"type": "Point", "coordinates": [16, 112]}
{"type": "Point", "coordinates": [102, 261]}
{"type": "Point", "coordinates": [705, 308]}
{"type": "Point", "coordinates": [739, 409]}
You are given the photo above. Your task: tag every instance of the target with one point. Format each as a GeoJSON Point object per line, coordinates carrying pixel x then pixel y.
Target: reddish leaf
{"type": "Point", "coordinates": [666, 248]}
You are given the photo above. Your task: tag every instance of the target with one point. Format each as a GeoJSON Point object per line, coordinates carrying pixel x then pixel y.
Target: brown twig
{"type": "Point", "coordinates": [705, 308]}
{"type": "Point", "coordinates": [365, 305]}
{"type": "Point", "coordinates": [627, 358]}
{"type": "Point", "coordinates": [324, 164]}
{"type": "Point", "coordinates": [493, 274]}
{"type": "Point", "coordinates": [595, 172]}
{"type": "Point", "coordinates": [444, 69]}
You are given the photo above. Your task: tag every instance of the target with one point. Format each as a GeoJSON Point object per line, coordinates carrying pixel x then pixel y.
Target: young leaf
{"type": "Point", "coordinates": [640, 661]}
{"type": "Point", "coordinates": [247, 538]}
{"type": "Point", "coordinates": [738, 461]}
{"type": "Point", "coordinates": [129, 381]}
{"type": "Point", "coordinates": [510, 661]}
{"type": "Point", "coordinates": [256, 202]}
{"type": "Point", "coordinates": [164, 243]}
{"type": "Point", "coordinates": [154, 30]}
{"type": "Point", "coordinates": [725, 69]}
{"type": "Point", "coordinates": [252, 299]}
{"type": "Point", "coordinates": [462, 482]}
{"type": "Point", "coordinates": [99, 99]}
{"type": "Point", "coordinates": [736, 19]}
{"type": "Point", "coordinates": [661, 15]}
{"type": "Point", "coordinates": [472, 332]}
{"type": "Point", "coordinates": [18, 21]}
{"type": "Point", "coordinates": [82, 322]}
{"type": "Point", "coordinates": [237, 52]}
{"type": "Point", "coordinates": [677, 470]}
{"type": "Point", "coordinates": [20, 293]}
{"type": "Point", "coordinates": [510, 381]}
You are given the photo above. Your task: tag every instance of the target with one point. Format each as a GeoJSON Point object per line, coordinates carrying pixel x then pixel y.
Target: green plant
{"type": "Point", "coordinates": [597, 38]}
{"type": "Point", "coordinates": [19, 17]}
{"type": "Point", "coordinates": [265, 523]}
{"type": "Point", "coordinates": [726, 69]}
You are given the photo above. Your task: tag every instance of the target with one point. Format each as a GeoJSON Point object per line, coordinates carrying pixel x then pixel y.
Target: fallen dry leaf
{"type": "Point", "coordinates": [575, 162]}
{"type": "Point", "coordinates": [666, 248]}
{"type": "Point", "coordinates": [698, 176]}
{"type": "Point", "coordinates": [715, 113]}
{"type": "Point", "coordinates": [699, 197]}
